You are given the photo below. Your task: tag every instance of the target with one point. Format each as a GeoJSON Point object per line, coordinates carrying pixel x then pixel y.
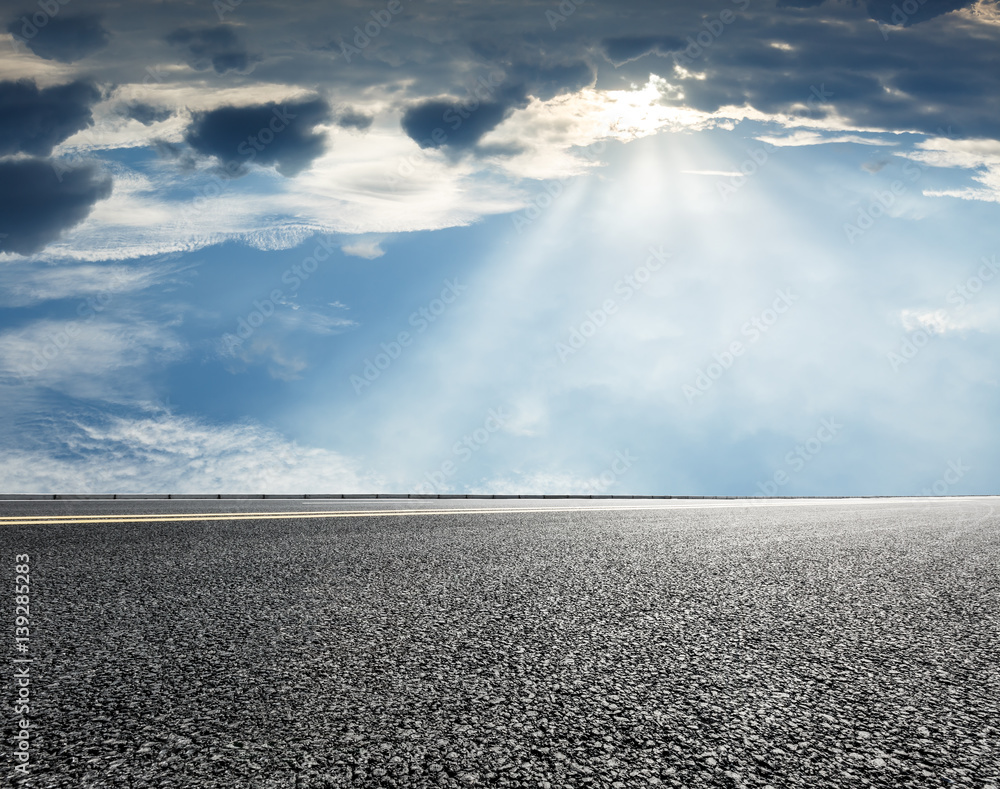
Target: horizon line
{"type": "Point", "coordinates": [432, 496]}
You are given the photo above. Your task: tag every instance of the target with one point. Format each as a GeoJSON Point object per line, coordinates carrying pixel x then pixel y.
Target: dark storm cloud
{"type": "Point", "coordinates": [218, 48]}
{"type": "Point", "coordinates": [545, 81]}
{"type": "Point", "coordinates": [269, 134]}
{"type": "Point", "coordinates": [622, 49]}
{"type": "Point", "coordinates": [37, 205]}
{"type": "Point", "coordinates": [459, 124]}
{"type": "Point", "coordinates": [960, 86]}
{"type": "Point", "coordinates": [146, 114]}
{"type": "Point", "coordinates": [34, 120]}
{"type": "Point", "coordinates": [62, 38]}
{"type": "Point", "coordinates": [526, 67]}
{"type": "Point", "coordinates": [352, 119]}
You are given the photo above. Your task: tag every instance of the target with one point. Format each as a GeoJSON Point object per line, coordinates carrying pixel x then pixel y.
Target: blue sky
{"type": "Point", "coordinates": [730, 248]}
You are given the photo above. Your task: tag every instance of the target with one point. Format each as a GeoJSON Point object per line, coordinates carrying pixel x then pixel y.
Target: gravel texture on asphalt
{"type": "Point", "coordinates": [797, 645]}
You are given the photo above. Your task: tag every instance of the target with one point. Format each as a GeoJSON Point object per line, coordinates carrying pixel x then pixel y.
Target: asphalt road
{"type": "Point", "coordinates": [697, 644]}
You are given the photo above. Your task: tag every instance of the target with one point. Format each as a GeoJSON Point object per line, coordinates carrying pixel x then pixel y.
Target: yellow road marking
{"type": "Point", "coordinates": [30, 520]}
{"type": "Point", "coordinates": [674, 504]}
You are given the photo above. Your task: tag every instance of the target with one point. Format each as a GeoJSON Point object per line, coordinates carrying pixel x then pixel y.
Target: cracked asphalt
{"type": "Point", "coordinates": [726, 644]}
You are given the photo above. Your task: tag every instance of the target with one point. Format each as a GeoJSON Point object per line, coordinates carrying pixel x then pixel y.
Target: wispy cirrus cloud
{"type": "Point", "coordinates": [92, 453]}
{"type": "Point", "coordinates": [23, 284]}
{"type": "Point", "coordinates": [99, 358]}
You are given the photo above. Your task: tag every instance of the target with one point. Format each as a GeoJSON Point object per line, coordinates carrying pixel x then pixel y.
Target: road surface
{"type": "Point", "coordinates": [309, 644]}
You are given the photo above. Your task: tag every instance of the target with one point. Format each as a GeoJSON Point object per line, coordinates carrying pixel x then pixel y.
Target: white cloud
{"type": "Point", "coordinates": [983, 317]}
{"type": "Point", "coordinates": [545, 132]}
{"type": "Point", "coordinates": [367, 248]}
{"type": "Point", "coordinates": [171, 454]}
{"type": "Point", "coordinates": [804, 137]}
{"type": "Point", "coordinates": [530, 415]}
{"type": "Point", "coordinates": [273, 344]}
{"type": "Point", "coordinates": [936, 321]}
{"type": "Point", "coordinates": [94, 358]}
{"type": "Point", "coordinates": [314, 321]}
{"type": "Point", "coordinates": [981, 156]}
{"type": "Point", "coordinates": [281, 363]}
{"type": "Point", "coordinates": [23, 284]}
{"type": "Point", "coordinates": [985, 12]}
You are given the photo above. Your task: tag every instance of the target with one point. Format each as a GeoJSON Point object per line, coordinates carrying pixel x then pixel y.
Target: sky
{"type": "Point", "coordinates": [735, 247]}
